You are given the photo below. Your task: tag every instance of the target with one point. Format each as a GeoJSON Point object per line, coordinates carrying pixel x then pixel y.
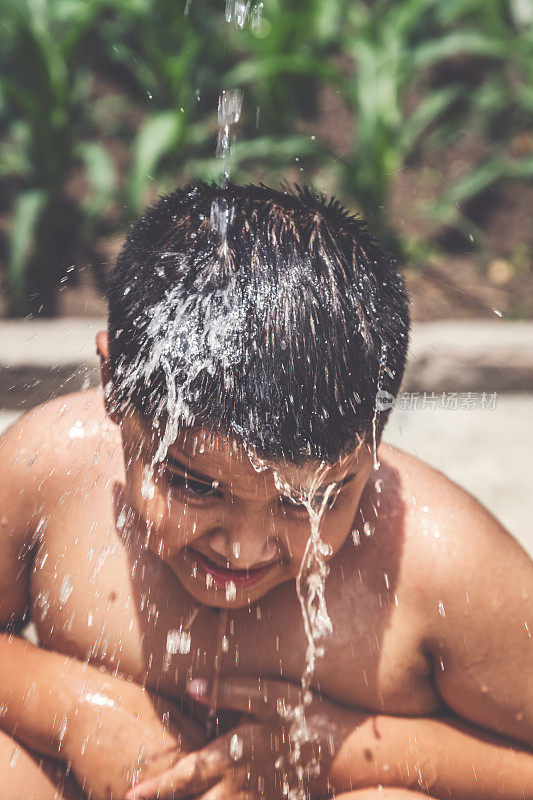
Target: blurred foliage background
{"type": "Point", "coordinates": [418, 113]}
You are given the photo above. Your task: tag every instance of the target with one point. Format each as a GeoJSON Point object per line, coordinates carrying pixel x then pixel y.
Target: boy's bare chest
{"type": "Point", "coordinates": [100, 599]}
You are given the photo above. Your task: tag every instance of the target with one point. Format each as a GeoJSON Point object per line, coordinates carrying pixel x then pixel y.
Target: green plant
{"type": "Point", "coordinates": [45, 115]}
{"type": "Point", "coordinates": [177, 65]}
{"type": "Point", "coordinates": [409, 72]}
{"type": "Point", "coordinates": [394, 46]}
{"type": "Point", "coordinates": [498, 105]}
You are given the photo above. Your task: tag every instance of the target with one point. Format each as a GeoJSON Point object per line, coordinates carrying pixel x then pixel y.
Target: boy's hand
{"type": "Point", "coordinates": [121, 733]}
{"type": "Point", "coordinates": [254, 758]}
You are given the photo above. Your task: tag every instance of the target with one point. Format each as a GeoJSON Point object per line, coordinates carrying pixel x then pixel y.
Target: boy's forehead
{"type": "Point", "coordinates": [223, 457]}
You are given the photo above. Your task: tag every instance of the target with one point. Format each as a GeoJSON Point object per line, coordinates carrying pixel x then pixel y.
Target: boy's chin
{"type": "Point", "coordinates": [218, 596]}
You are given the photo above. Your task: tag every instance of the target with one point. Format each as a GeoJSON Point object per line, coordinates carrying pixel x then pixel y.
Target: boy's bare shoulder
{"type": "Point", "coordinates": [433, 505]}
{"type": "Point", "coordinates": [53, 438]}
{"type": "Point", "coordinates": [450, 541]}
{"type": "Point", "coordinates": [467, 584]}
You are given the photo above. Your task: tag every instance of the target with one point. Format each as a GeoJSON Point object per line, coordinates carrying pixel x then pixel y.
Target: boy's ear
{"type": "Point", "coordinates": [102, 349]}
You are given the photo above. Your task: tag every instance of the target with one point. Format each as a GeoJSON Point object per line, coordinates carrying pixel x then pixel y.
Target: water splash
{"type": "Point", "coordinates": [240, 13]}
{"type": "Point", "coordinates": [188, 335]}
{"type": "Point", "coordinates": [310, 590]}
{"type": "Point", "coordinates": [245, 12]}
{"type": "Point", "coordinates": [379, 387]}
{"type": "Point", "coordinates": [229, 114]}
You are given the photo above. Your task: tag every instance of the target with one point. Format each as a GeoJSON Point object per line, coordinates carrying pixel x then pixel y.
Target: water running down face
{"type": "Point", "coordinates": [225, 529]}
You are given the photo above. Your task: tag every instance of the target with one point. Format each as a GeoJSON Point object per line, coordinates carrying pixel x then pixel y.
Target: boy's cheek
{"type": "Point", "coordinates": [165, 524]}
{"type": "Point", "coordinates": [337, 526]}
{"type": "Point", "coordinates": [171, 529]}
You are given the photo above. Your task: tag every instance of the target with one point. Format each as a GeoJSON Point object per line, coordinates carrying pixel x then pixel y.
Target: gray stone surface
{"type": "Point", "coordinates": [471, 355]}
{"type": "Point", "coordinates": [40, 359]}
{"type": "Point", "coordinates": [487, 452]}
{"type": "Point", "coordinates": [49, 342]}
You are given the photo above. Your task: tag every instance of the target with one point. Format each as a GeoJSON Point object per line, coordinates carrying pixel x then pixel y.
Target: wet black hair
{"type": "Point", "coordinates": [278, 311]}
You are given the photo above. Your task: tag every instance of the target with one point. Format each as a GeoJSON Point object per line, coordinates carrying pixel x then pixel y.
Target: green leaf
{"type": "Point", "coordinates": [101, 176]}
{"type": "Point", "coordinates": [427, 112]}
{"type": "Point", "coordinates": [261, 69]}
{"type": "Point", "coordinates": [26, 216]}
{"type": "Point", "coordinates": [490, 172]}
{"type": "Point", "coordinates": [287, 147]}
{"type": "Point", "coordinates": [456, 44]}
{"type": "Point", "coordinates": [159, 135]}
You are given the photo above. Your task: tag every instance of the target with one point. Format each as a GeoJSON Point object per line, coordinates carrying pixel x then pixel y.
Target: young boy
{"type": "Point", "coordinates": [249, 327]}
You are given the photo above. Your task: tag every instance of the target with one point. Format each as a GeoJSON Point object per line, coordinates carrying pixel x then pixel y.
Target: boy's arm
{"type": "Point", "coordinates": [52, 703]}
{"type": "Point", "coordinates": [476, 589]}
{"type": "Point", "coordinates": [446, 758]}
{"type": "Point", "coordinates": [37, 687]}
{"type": "Point", "coordinates": [358, 750]}
{"type": "Point", "coordinates": [39, 690]}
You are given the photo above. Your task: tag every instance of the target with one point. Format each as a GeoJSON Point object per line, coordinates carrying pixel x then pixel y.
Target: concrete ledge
{"type": "Point", "coordinates": [472, 355]}
{"type": "Point", "coordinates": [40, 359]}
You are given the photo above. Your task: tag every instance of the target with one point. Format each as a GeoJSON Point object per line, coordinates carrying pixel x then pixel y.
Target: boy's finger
{"type": "Point", "coordinates": [263, 699]}
{"type": "Point", "coordinates": [192, 775]}
{"type": "Point", "coordinates": [226, 790]}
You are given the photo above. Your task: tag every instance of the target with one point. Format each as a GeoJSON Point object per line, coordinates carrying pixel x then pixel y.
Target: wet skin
{"type": "Point", "coordinates": [134, 583]}
{"type": "Point", "coordinates": [414, 627]}
{"type": "Point", "coordinates": [123, 621]}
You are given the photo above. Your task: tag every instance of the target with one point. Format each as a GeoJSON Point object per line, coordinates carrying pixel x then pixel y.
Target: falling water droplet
{"type": "Point", "coordinates": [442, 610]}
{"type": "Point", "coordinates": [256, 19]}
{"type": "Point", "coordinates": [178, 641]}
{"type": "Point", "coordinates": [62, 730]}
{"type": "Point", "coordinates": [66, 589]}
{"type": "Point", "coordinates": [147, 486]}
{"type": "Point", "coordinates": [14, 757]}
{"type": "Point", "coordinates": [231, 591]}
{"type": "Point", "coordinates": [236, 747]}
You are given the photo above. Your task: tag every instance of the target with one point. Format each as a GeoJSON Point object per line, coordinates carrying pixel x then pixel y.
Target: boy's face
{"type": "Point", "coordinates": [225, 529]}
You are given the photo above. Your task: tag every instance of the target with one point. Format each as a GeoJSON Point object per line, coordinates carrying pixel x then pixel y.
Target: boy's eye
{"type": "Point", "coordinates": [288, 502]}
{"type": "Point", "coordinates": [192, 487]}
{"type": "Point", "coordinates": [293, 504]}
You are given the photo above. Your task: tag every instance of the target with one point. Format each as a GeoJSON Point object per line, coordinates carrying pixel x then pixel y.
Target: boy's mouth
{"type": "Point", "coordinates": [220, 575]}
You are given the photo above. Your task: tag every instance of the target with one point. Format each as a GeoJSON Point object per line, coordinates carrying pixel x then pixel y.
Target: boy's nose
{"type": "Point", "coordinates": [243, 549]}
